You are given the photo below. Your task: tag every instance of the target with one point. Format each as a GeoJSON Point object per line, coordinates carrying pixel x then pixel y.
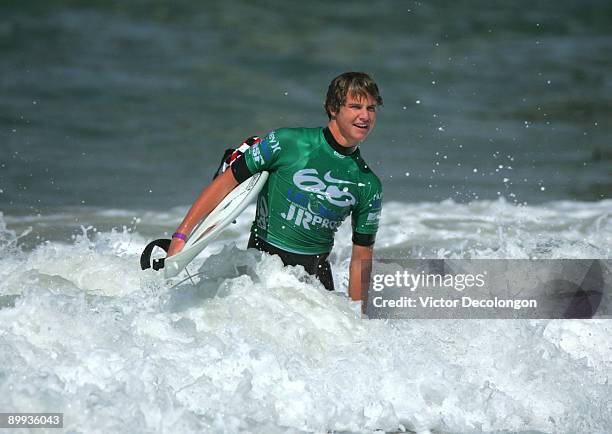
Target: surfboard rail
{"type": "Point", "coordinates": [213, 224]}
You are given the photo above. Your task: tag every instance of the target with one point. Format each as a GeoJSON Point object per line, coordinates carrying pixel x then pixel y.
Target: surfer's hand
{"type": "Point", "coordinates": [176, 246]}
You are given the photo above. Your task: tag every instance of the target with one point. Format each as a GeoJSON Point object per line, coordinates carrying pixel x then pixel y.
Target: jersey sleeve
{"type": "Point", "coordinates": [366, 215]}
{"type": "Point", "coordinates": [265, 155]}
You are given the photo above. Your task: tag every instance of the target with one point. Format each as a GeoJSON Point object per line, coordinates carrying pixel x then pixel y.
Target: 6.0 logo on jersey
{"type": "Point", "coordinates": [308, 180]}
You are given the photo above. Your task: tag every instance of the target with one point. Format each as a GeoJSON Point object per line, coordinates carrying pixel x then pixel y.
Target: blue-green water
{"type": "Point", "coordinates": [130, 105]}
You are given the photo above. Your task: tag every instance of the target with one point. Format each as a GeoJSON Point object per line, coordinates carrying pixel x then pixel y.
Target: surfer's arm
{"type": "Point", "coordinates": [210, 197]}
{"type": "Point", "coordinates": [359, 272]}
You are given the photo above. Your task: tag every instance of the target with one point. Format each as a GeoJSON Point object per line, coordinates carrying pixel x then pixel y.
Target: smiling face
{"type": "Point", "coordinates": [354, 120]}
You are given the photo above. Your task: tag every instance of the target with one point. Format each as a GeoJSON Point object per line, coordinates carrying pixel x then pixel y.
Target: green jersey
{"type": "Point", "coordinates": [313, 186]}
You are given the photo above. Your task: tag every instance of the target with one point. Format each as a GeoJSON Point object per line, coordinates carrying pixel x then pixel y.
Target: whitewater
{"type": "Point", "coordinates": [247, 345]}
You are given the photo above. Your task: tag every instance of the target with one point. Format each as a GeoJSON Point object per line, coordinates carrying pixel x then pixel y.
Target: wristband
{"type": "Point", "coordinates": [180, 236]}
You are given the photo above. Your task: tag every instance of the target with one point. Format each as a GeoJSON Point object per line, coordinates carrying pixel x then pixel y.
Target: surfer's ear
{"type": "Point", "coordinates": [331, 113]}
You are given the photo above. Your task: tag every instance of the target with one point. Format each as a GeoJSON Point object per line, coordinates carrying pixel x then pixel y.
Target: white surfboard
{"type": "Point", "coordinates": [210, 227]}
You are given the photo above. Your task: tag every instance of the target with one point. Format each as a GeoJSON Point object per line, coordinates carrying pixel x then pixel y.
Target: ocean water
{"type": "Point", "coordinates": [494, 142]}
{"type": "Point", "coordinates": [249, 346]}
{"type": "Point", "coordinates": [130, 105]}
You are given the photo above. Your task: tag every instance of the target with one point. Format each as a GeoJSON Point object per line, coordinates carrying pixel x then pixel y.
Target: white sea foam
{"type": "Point", "coordinates": [256, 347]}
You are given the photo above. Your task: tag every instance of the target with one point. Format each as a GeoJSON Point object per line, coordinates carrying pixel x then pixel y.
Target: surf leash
{"type": "Point", "coordinates": [145, 257]}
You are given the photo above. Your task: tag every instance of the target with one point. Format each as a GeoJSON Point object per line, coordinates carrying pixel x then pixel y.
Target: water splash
{"type": "Point", "coordinates": [258, 347]}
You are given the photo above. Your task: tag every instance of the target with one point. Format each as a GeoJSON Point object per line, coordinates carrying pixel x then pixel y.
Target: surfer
{"type": "Point", "coordinates": [317, 178]}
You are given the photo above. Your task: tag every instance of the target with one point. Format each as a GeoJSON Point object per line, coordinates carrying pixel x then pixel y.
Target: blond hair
{"type": "Point", "coordinates": [356, 83]}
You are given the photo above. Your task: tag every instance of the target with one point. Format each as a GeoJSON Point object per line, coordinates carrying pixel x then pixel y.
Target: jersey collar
{"type": "Point", "coordinates": [329, 137]}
